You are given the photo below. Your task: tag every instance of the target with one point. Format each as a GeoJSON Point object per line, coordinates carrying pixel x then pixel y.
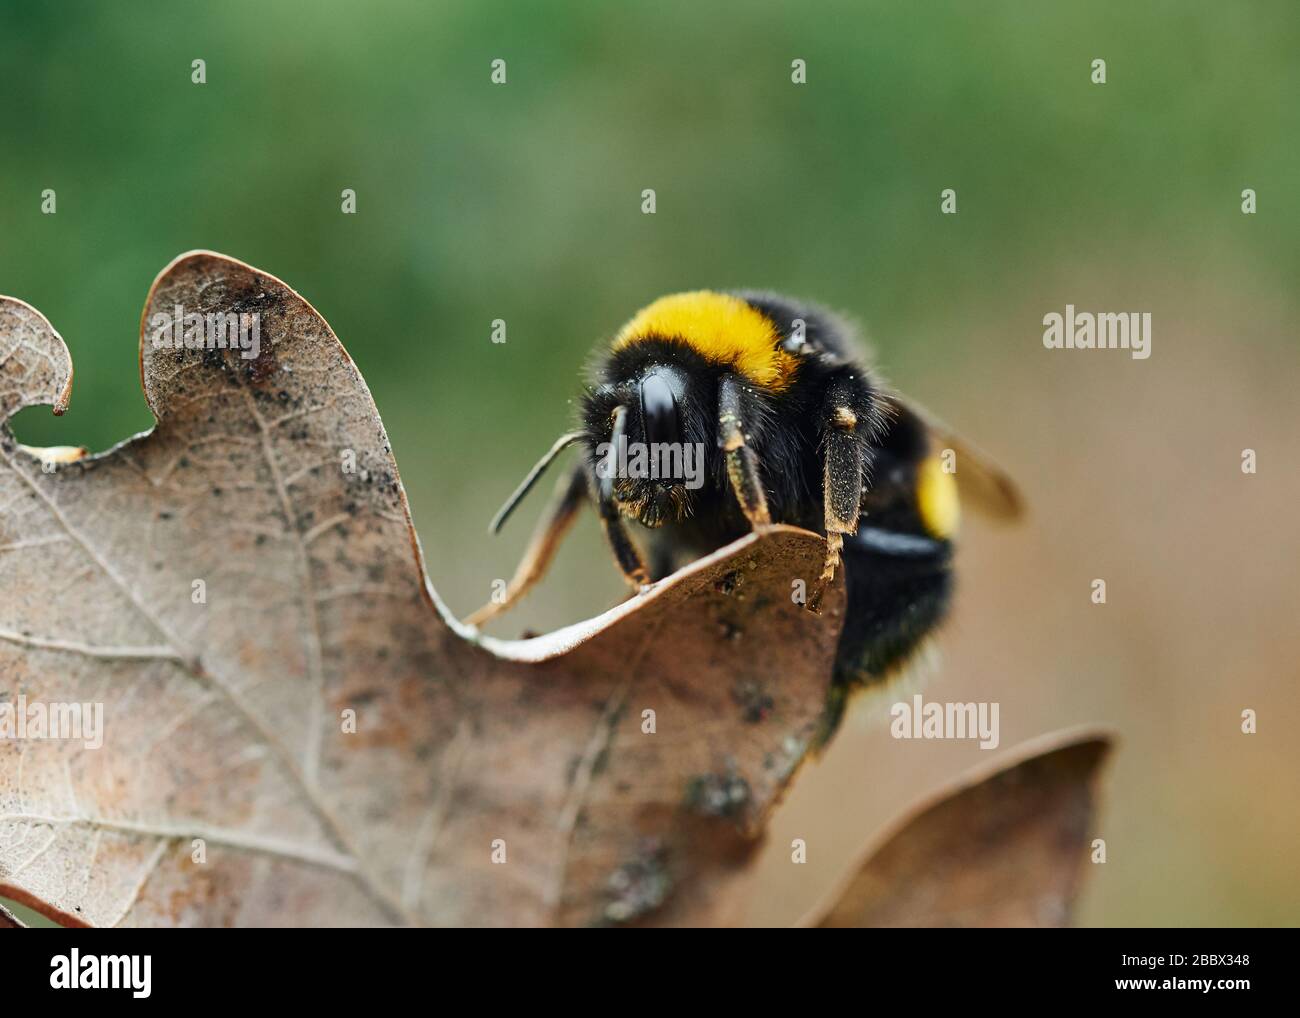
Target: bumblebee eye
{"type": "Point", "coordinates": [659, 410]}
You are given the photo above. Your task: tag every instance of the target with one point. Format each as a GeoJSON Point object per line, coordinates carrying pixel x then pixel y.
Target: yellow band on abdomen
{"type": "Point", "coordinates": [937, 501]}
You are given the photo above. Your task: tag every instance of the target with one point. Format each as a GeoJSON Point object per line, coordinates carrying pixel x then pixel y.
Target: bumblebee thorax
{"type": "Point", "coordinates": [721, 328]}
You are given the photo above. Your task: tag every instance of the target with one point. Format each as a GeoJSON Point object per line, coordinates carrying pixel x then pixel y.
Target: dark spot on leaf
{"type": "Point", "coordinates": [717, 795]}
{"type": "Point", "coordinates": [754, 703]}
{"type": "Point", "coordinates": [728, 583]}
{"type": "Point", "coordinates": [640, 885]}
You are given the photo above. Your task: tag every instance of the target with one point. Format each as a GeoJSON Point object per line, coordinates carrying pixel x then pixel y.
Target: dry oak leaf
{"type": "Point", "coordinates": [486, 782]}
{"type": "Point", "coordinates": [1005, 845]}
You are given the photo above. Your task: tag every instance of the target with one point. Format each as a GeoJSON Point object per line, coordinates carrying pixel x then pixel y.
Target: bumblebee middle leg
{"type": "Point", "coordinates": [570, 495]}
{"type": "Point", "coordinates": [843, 474]}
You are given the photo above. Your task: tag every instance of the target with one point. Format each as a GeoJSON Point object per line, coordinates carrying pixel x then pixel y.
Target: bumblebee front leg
{"type": "Point", "coordinates": [742, 465]}
{"type": "Point", "coordinates": [611, 520]}
{"type": "Point", "coordinates": [570, 494]}
{"type": "Point", "coordinates": [842, 477]}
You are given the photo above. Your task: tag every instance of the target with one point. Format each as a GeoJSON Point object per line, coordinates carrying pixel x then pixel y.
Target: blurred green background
{"type": "Point", "coordinates": [523, 202]}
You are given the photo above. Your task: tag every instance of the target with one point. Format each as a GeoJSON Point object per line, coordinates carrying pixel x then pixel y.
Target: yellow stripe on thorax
{"type": "Point", "coordinates": [721, 328]}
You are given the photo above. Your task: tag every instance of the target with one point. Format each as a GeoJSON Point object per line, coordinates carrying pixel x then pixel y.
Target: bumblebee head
{"type": "Point", "coordinates": [646, 442]}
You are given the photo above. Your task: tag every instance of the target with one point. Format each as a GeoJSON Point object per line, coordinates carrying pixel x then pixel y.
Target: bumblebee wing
{"type": "Point", "coordinates": [982, 483]}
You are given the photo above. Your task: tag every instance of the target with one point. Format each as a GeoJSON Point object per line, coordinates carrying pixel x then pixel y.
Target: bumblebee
{"type": "Point", "coordinates": [748, 408]}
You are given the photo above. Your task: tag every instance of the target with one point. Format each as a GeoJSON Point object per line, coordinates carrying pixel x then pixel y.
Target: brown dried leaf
{"type": "Point", "coordinates": [222, 719]}
{"type": "Point", "coordinates": [1000, 849]}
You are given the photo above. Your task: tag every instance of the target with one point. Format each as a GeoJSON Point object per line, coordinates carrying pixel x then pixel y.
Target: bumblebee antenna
{"type": "Point", "coordinates": [539, 468]}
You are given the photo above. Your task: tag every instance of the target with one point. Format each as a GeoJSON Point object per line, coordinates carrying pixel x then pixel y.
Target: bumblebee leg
{"type": "Point", "coordinates": [742, 464]}
{"type": "Point", "coordinates": [842, 479]}
{"type": "Point", "coordinates": [626, 556]}
{"type": "Point", "coordinates": [570, 494]}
